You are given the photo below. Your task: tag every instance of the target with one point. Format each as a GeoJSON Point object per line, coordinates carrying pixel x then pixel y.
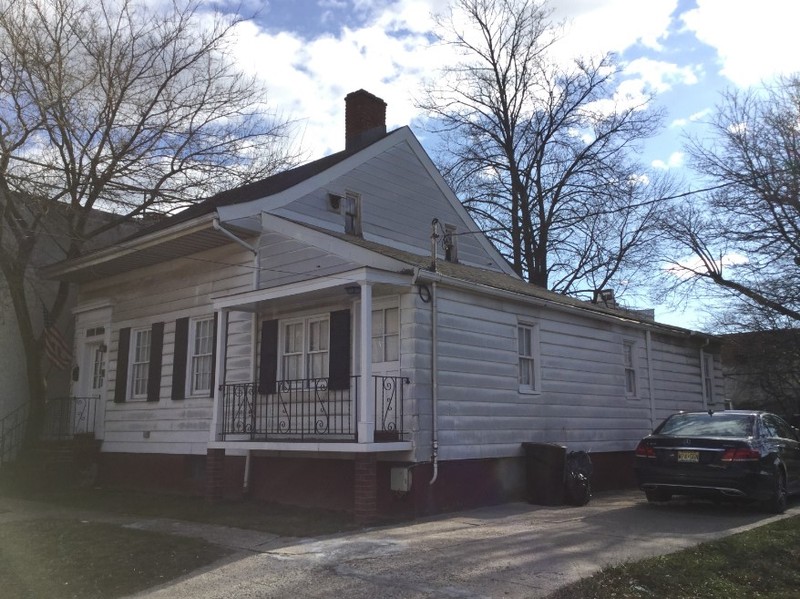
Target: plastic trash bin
{"type": "Point", "coordinates": [544, 472]}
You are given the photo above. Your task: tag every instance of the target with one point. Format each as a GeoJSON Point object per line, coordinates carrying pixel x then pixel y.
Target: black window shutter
{"type": "Point", "coordinates": [154, 369]}
{"type": "Point", "coordinates": [121, 386]}
{"type": "Point", "coordinates": [214, 356]}
{"type": "Point", "coordinates": [268, 366]}
{"type": "Point", "coordinates": [339, 357]}
{"type": "Point", "coordinates": [179, 361]}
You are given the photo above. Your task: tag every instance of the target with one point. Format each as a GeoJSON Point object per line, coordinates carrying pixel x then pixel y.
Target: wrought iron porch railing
{"type": "Point", "coordinates": [308, 409]}
{"type": "Point", "coordinates": [66, 417]}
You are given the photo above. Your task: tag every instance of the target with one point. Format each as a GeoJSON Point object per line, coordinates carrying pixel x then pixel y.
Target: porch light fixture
{"type": "Point", "coordinates": [352, 289]}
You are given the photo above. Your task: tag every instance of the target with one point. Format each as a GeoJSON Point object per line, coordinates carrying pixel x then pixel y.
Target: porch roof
{"type": "Point", "coordinates": [477, 279]}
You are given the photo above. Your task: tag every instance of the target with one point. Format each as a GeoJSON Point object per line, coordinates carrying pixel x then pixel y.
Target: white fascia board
{"type": "Point", "coordinates": [278, 200]}
{"type": "Point", "coordinates": [118, 250]}
{"type": "Point", "coordinates": [331, 244]}
{"type": "Point", "coordinates": [429, 166]}
{"type": "Point", "coordinates": [244, 299]}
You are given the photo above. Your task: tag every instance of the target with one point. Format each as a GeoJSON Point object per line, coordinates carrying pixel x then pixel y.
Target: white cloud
{"type": "Point", "coordinates": [310, 78]}
{"type": "Point", "coordinates": [755, 41]}
{"type": "Point", "coordinates": [660, 76]}
{"type": "Point", "coordinates": [600, 26]}
{"type": "Point", "coordinates": [687, 267]}
{"type": "Point", "coordinates": [675, 160]}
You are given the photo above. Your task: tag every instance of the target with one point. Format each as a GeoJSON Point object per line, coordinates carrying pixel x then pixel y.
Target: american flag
{"type": "Point", "coordinates": [56, 348]}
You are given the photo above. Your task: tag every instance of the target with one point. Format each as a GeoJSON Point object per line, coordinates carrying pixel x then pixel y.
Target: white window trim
{"type": "Point", "coordinates": [634, 367]}
{"type": "Point", "coordinates": [536, 389]}
{"type": "Point", "coordinates": [132, 364]}
{"type": "Point", "coordinates": [305, 320]}
{"type": "Point", "coordinates": [190, 356]}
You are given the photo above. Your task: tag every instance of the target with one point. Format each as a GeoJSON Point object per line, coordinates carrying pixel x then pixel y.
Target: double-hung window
{"type": "Point", "coordinates": [200, 361]}
{"type": "Point", "coordinates": [305, 349]}
{"type": "Point", "coordinates": [385, 335]}
{"type": "Point", "coordinates": [629, 359]}
{"type": "Point", "coordinates": [528, 357]}
{"type": "Point", "coordinates": [140, 363]}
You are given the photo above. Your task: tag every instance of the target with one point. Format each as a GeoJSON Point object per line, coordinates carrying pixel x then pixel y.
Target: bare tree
{"type": "Point", "coordinates": [542, 155]}
{"type": "Point", "coordinates": [121, 107]}
{"type": "Point", "coordinates": [740, 241]}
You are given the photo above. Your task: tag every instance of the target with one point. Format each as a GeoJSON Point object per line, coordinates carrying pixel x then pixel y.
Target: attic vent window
{"type": "Point", "coordinates": [450, 242]}
{"type": "Point", "coordinates": [352, 213]}
{"type": "Point", "coordinates": [335, 202]}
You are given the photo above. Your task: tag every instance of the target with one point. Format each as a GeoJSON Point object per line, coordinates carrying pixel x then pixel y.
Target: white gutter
{"type": "Point", "coordinates": [254, 328]}
{"type": "Point", "coordinates": [218, 227]}
{"type": "Point", "coordinates": [434, 378]}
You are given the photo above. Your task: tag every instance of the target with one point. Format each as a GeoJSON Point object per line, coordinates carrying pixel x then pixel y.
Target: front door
{"type": "Point", "coordinates": [90, 391]}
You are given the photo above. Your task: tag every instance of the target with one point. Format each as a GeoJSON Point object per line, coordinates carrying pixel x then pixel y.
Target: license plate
{"type": "Point", "coordinates": [688, 456]}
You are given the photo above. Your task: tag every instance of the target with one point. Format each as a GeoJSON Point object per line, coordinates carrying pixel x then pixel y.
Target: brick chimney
{"type": "Point", "coordinates": [364, 120]}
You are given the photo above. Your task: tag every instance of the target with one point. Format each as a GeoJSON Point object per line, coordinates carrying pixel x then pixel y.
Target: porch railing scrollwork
{"type": "Point", "coordinates": [293, 410]}
{"type": "Point", "coordinates": [389, 407]}
{"type": "Point", "coordinates": [309, 409]}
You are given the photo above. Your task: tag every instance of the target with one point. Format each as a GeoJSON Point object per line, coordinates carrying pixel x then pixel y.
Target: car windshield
{"type": "Point", "coordinates": [705, 425]}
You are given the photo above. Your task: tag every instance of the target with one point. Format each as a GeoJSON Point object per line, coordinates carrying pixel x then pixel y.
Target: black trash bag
{"type": "Point", "coordinates": [578, 479]}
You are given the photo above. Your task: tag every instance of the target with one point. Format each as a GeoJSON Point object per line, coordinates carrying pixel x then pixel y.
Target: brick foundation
{"type": "Point", "coordinates": [359, 484]}
{"type": "Point", "coordinates": [365, 506]}
{"type": "Point", "coordinates": [215, 475]}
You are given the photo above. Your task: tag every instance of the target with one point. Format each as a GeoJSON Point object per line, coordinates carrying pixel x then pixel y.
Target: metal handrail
{"type": "Point", "coordinates": [12, 433]}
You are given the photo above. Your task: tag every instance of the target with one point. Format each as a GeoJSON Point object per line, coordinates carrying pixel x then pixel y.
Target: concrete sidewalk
{"type": "Point", "coordinates": [511, 551]}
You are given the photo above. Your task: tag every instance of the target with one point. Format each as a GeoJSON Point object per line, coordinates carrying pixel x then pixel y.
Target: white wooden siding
{"type": "Point", "coordinates": [163, 293]}
{"type": "Point", "coordinates": [399, 200]}
{"type": "Point", "coordinates": [582, 403]}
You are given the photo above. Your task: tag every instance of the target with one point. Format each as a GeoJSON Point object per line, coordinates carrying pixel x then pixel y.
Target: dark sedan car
{"type": "Point", "coordinates": [733, 453]}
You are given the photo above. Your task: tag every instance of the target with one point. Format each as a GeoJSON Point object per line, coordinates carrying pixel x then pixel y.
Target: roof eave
{"type": "Point", "coordinates": [70, 267]}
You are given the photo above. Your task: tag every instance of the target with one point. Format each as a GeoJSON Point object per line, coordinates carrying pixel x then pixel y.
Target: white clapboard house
{"type": "Point", "coordinates": [342, 335]}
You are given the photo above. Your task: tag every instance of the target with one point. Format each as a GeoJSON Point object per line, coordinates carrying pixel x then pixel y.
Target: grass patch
{"type": "Point", "coordinates": [758, 563]}
{"type": "Point", "coordinates": [68, 558]}
{"type": "Point", "coordinates": [281, 520]}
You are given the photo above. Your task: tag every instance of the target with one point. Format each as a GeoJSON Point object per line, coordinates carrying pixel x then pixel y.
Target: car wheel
{"type": "Point", "coordinates": [777, 503]}
{"type": "Point", "coordinates": [657, 495]}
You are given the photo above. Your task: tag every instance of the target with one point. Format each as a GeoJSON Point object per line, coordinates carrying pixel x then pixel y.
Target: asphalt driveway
{"type": "Point", "coordinates": [513, 550]}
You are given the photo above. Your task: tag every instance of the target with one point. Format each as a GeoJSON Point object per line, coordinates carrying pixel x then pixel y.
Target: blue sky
{"type": "Point", "coordinates": [311, 53]}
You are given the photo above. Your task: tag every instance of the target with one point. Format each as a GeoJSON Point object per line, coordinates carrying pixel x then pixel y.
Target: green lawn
{"type": "Point", "coordinates": [763, 562]}
{"type": "Point", "coordinates": [55, 558]}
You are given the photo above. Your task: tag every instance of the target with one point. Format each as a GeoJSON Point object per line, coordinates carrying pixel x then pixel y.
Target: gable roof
{"type": "Point", "coordinates": [190, 230]}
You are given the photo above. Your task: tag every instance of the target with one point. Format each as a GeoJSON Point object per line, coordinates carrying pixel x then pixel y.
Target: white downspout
{"type": "Point", "coordinates": [434, 386]}
{"type": "Point", "coordinates": [256, 273]}
{"type": "Point", "coordinates": [704, 374]}
{"type": "Point", "coordinates": [649, 344]}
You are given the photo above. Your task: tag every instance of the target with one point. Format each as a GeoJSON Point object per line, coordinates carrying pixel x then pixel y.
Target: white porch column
{"type": "Point", "coordinates": [366, 402]}
{"type": "Point", "coordinates": [222, 354]}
